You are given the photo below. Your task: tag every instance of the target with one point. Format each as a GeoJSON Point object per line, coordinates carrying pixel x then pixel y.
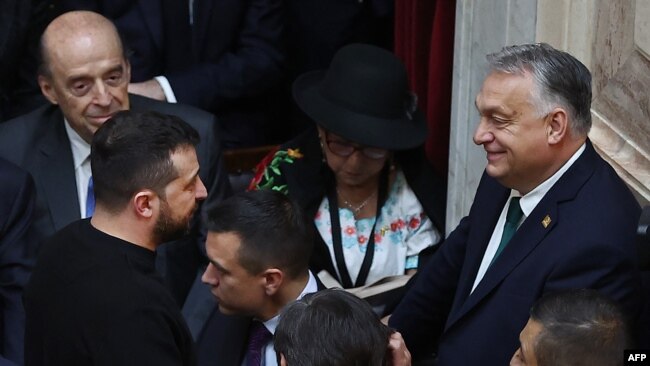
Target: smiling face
{"type": "Point", "coordinates": [515, 138]}
{"type": "Point", "coordinates": [525, 355]}
{"type": "Point", "coordinates": [87, 73]}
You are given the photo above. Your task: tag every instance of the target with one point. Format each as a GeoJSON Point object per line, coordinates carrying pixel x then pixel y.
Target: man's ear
{"type": "Point", "coordinates": [283, 361]}
{"type": "Point", "coordinates": [273, 279]}
{"type": "Point", "coordinates": [145, 203]}
{"type": "Point", "coordinates": [557, 126]}
{"type": "Point", "coordinates": [45, 83]}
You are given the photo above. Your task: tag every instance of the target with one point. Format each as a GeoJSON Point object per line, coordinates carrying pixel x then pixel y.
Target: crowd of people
{"type": "Point", "coordinates": [121, 241]}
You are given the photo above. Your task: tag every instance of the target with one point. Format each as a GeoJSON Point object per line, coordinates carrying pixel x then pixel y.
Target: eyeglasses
{"type": "Point", "coordinates": [345, 149]}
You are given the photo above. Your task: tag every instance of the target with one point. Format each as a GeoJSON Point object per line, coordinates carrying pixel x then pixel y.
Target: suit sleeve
{"type": "Point", "coordinates": [17, 254]}
{"type": "Point", "coordinates": [421, 315]}
{"type": "Point", "coordinates": [249, 68]}
{"type": "Point", "coordinates": [603, 267]}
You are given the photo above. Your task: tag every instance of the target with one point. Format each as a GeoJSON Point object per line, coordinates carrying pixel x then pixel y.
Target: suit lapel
{"type": "Point", "coordinates": [56, 169]}
{"type": "Point", "coordinates": [531, 233]}
{"type": "Point", "coordinates": [478, 240]}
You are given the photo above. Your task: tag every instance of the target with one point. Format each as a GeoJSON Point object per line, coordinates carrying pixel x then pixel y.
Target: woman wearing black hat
{"type": "Point", "coordinates": [361, 172]}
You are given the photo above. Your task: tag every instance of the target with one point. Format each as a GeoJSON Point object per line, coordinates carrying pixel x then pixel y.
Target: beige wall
{"type": "Point", "coordinates": [612, 37]}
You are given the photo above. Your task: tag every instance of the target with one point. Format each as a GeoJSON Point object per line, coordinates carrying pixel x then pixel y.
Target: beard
{"type": "Point", "coordinates": [168, 228]}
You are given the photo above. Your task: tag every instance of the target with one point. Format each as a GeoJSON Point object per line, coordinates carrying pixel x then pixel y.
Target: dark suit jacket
{"type": "Point", "coordinates": [17, 198]}
{"type": "Point", "coordinates": [224, 338]}
{"type": "Point", "coordinates": [38, 143]}
{"type": "Point", "coordinates": [226, 63]}
{"type": "Point", "coordinates": [589, 243]}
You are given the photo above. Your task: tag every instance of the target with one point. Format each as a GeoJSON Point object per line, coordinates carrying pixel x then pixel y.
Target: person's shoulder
{"type": "Point", "coordinates": [23, 132]}
{"type": "Point", "coordinates": [192, 115]}
{"type": "Point", "coordinates": [27, 121]}
{"type": "Point", "coordinates": [11, 174]}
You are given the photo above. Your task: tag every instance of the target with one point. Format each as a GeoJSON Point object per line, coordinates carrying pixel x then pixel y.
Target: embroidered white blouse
{"type": "Point", "coordinates": [402, 232]}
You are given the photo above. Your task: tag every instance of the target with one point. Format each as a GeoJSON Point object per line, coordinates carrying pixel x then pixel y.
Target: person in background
{"type": "Point", "coordinates": [84, 74]}
{"type": "Point", "coordinates": [335, 328]}
{"type": "Point", "coordinates": [360, 172]}
{"type": "Point", "coordinates": [94, 296]}
{"type": "Point", "coordinates": [17, 253]}
{"type": "Point", "coordinates": [549, 214]}
{"type": "Point", "coordinates": [573, 328]}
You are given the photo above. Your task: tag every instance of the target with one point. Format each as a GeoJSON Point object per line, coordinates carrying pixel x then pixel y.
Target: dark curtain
{"type": "Point", "coordinates": [424, 40]}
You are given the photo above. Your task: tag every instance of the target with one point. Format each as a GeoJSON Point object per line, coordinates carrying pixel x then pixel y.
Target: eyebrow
{"type": "Point", "coordinates": [219, 266]}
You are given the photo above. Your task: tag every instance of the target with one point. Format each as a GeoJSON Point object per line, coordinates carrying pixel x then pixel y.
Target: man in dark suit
{"type": "Point", "coordinates": [85, 77]}
{"type": "Point", "coordinates": [223, 56]}
{"type": "Point", "coordinates": [571, 219]}
{"type": "Point", "coordinates": [16, 257]}
{"type": "Point", "coordinates": [258, 245]}
{"type": "Point", "coordinates": [94, 297]}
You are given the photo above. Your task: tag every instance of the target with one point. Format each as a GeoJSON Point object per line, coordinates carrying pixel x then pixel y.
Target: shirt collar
{"type": "Point", "coordinates": [530, 200]}
{"type": "Point", "coordinates": [80, 148]}
{"type": "Point", "coordinates": [311, 286]}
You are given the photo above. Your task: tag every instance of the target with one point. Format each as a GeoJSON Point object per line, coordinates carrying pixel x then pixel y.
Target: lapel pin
{"type": "Point", "coordinates": [546, 222]}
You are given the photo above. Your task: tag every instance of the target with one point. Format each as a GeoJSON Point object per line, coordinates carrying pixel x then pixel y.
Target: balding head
{"type": "Point", "coordinates": [76, 29]}
{"type": "Point", "coordinates": [84, 70]}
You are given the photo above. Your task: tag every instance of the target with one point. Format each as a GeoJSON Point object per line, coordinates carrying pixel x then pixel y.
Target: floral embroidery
{"type": "Point", "coordinates": [269, 168]}
{"type": "Point", "coordinates": [414, 223]}
{"type": "Point", "coordinates": [350, 230]}
{"type": "Point", "coordinates": [402, 232]}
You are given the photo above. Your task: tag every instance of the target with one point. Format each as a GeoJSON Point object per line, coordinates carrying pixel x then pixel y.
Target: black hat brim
{"type": "Point", "coordinates": [392, 134]}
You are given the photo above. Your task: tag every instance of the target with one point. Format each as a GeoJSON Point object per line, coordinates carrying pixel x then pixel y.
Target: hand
{"type": "Point", "coordinates": [399, 354]}
{"type": "Point", "coordinates": [150, 88]}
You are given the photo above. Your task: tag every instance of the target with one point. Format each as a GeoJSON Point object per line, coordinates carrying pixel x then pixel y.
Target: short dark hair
{"type": "Point", "coordinates": [132, 151]}
{"type": "Point", "coordinates": [273, 230]}
{"type": "Point", "coordinates": [559, 77]}
{"type": "Point", "coordinates": [579, 327]}
{"type": "Point", "coordinates": [331, 328]}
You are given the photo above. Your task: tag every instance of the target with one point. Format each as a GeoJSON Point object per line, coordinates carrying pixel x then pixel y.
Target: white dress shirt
{"type": "Point", "coordinates": [81, 158]}
{"type": "Point", "coordinates": [270, 358]}
{"type": "Point", "coordinates": [528, 203]}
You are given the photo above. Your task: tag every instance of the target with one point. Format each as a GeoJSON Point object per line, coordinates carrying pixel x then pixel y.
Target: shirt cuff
{"type": "Point", "coordinates": [167, 89]}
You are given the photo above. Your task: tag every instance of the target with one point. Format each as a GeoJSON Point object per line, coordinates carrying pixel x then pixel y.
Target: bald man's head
{"type": "Point", "coordinates": [84, 70]}
{"type": "Point", "coordinates": [76, 26]}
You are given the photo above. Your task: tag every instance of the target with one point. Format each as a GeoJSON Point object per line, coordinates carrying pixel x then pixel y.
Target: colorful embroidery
{"type": "Point", "coordinates": [268, 169]}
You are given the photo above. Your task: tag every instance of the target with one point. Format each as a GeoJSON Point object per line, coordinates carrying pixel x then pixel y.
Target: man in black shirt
{"type": "Point", "coordinates": [95, 297]}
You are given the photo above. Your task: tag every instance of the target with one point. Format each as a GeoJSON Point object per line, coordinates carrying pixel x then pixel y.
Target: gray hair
{"type": "Point", "coordinates": [560, 80]}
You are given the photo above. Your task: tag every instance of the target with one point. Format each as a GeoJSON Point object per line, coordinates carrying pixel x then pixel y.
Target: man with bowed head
{"type": "Point", "coordinates": [573, 328]}
{"type": "Point", "coordinates": [549, 214]}
{"type": "Point", "coordinates": [94, 296]}
{"type": "Point", "coordinates": [84, 74]}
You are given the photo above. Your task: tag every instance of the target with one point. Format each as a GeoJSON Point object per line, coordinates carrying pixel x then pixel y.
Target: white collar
{"type": "Point", "coordinates": [80, 148]}
{"type": "Point", "coordinates": [530, 200]}
{"type": "Point", "coordinates": [311, 286]}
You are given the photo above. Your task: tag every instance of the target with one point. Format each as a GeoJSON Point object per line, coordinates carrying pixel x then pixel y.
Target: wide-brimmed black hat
{"type": "Point", "coordinates": [363, 97]}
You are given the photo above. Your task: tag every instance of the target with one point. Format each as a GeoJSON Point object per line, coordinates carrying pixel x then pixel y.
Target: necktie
{"type": "Point", "coordinates": [259, 336]}
{"type": "Point", "coordinates": [90, 198]}
{"type": "Point", "coordinates": [510, 227]}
